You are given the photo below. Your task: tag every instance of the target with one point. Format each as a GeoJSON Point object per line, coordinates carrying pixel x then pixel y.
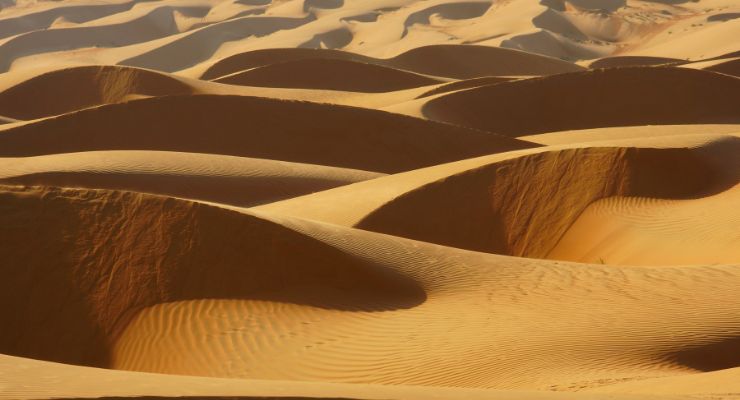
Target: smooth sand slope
{"type": "Point", "coordinates": [65, 90]}
{"type": "Point", "coordinates": [331, 74]}
{"type": "Point", "coordinates": [608, 97]}
{"type": "Point", "coordinates": [256, 127]}
{"type": "Point", "coordinates": [224, 179]}
{"type": "Point", "coordinates": [459, 62]}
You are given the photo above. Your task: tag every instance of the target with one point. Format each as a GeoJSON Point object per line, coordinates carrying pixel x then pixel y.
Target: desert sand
{"type": "Point", "coordinates": [370, 199]}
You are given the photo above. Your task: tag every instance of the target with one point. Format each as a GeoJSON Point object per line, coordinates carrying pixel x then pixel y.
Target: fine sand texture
{"type": "Point", "coordinates": [370, 199]}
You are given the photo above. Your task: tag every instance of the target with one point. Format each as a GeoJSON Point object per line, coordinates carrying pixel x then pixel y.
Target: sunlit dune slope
{"type": "Point", "coordinates": [225, 179]}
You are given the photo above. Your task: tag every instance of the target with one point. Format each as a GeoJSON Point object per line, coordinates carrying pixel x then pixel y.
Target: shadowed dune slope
{"type": "Point", "coordinates": [260, 58]}
{"type": "Point", "coordinates": [257, 127]}
{"type": "Point", "coordinates": [452, 61]}
{"type": "Point", "coordinates": [516, 204]}
{"type": "Point", "coordinates": [71, 89]}
{"type": "Point", "coordinates": [729, 67]}
{"type": "Point", "coordinates": [468, 61]}
{"type": "Point", "coordinates": [225, 179]}
{"type": "Point", "coordinates": [116, 252]}
{"type": "Point", "coordinates": [608, 97]}
{"type": "Point", "coordinates": [332, 74]}
{"type": "Point", "coordinates": [299, 300]}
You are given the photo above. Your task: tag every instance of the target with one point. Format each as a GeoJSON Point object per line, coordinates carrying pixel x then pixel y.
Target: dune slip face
{"type": "Point", "coordinates": [370, 199]}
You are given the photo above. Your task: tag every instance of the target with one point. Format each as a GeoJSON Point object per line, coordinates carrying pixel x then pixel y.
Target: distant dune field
{"type": "Point", "coordinates": [370, 199]}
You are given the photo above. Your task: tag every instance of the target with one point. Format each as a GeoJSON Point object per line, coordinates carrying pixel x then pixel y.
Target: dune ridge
{"type": "Point", "coordinates": [47, 94]}
{"type": "Point", "coordinates": [332, 74]}
{"type": "Point", "coordinates": [459, 62]}
{"type": "Point", "coordinates": [224, 179]}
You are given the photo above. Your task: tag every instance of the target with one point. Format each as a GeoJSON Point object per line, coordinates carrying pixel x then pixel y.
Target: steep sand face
{"type": "Point", "coordinates": [609, 97]}
{"type": "Point", "coordinates": [237, 181]}
{"type": "Point", "coordinates": [517, 205]}
{"type": "Point", "coordinates": [254, 127]}
{"type": "Point", "coordinates": [117, 252]}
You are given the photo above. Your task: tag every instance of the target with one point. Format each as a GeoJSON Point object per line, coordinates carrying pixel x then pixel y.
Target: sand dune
{"type": "Point", "coordinates": [224, 179]}
{"type": "Point", "coordinates": [49, 93]}
{"type": "Point", "coordinates": [254, 127]}
{"type": "Point", "coordinates": [729, 66]}
{"type": "Point", "coordinates": [156, 23]}
{"type": "Point", "coordinates": [184, 34]}
{"type": "Point", "coordinates": [459, 62]}
{"type": "Point", "coordinates": [333, 306]}
{"type": "Point", "coordinates": [331, 74]}
{"type": "Point", "coordinates": [651, 132]}
{"type": "Point", "coordinates": [485, 199]}
{"type": "Point", "coordinates": [634, 96]}
{"type": "Point", "coordinates": [369, 199]}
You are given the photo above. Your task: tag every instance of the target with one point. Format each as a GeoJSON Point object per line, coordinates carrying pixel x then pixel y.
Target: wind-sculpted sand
{"type": "Point", "coordinates": [369, 199]}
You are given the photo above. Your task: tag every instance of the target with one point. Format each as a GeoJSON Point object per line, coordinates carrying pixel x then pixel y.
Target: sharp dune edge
{"type": "Point", "coordinates": [369, 199]}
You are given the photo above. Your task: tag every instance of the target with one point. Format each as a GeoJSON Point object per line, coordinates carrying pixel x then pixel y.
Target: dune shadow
{"type": "Point", "coordinates": [714, 356]}
{"type": "Point", "coordinates": [79, 264]}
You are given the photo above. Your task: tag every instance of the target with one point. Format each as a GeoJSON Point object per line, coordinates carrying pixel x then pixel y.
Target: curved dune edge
{"type": "Point", "coordinates": [360, 282]}
{"type": "Point", "coordinates": [451, 61]}
{"type": "Point", "coordinates": [466, 84]}
{"type": "Point", "coordinates": [49, 93]}
{"type": "Point", "coordinates": [729, 66]}
{"type": "Point", "coordinates": [256, 127]}
{"type": "Point", "coordinates": [654, 132]}
{"type": "Point", "coordinates": [634, 61]}
{"type": "Point", "coordinates": [329, 74]}
{"type": "Point", "coordinates": [479, 204]}
{"type": "Point", "coordinates": [230, 180]}
{"type": "Point", "coordinates": [645, 231]}
{"type": "Point", "coordinates": [643, 96]}
{"type": "Point", "coordinates": [122, 251]}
